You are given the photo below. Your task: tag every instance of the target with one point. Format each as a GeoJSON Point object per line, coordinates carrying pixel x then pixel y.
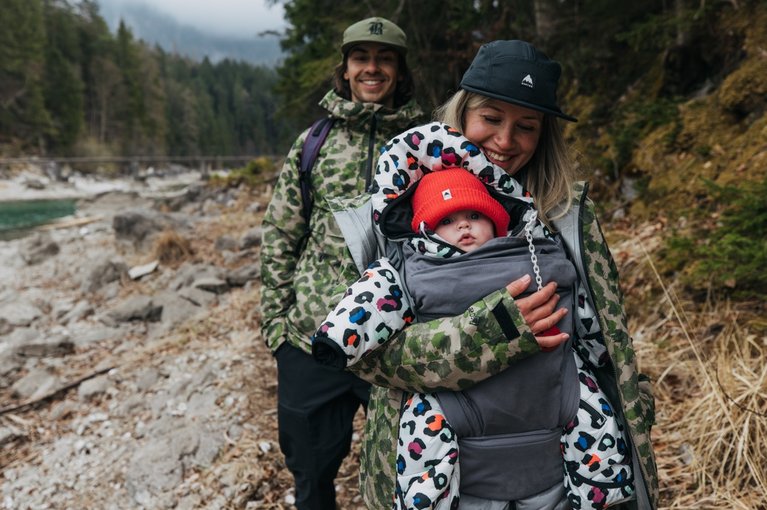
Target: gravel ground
{"type": "Point", "coordinates": [148, 416]}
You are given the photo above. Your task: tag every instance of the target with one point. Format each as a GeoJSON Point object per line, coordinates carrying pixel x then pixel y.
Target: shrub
{"type": "Point", "coordinates": [171, 249]}
{"type": "Point", "coordinates": [730, 256]}
{"type": "Point", "coordinates": [255, 173]}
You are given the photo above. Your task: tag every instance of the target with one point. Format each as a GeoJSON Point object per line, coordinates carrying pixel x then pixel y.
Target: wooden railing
{"type": "Point", "coordinates": [133, 164]}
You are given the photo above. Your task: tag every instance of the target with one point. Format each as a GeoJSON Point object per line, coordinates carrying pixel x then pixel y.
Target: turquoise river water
{"type": "Point", "coordinates": [17, 218]}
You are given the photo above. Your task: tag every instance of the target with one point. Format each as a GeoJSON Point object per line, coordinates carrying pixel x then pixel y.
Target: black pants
{"type": "Point", "coordinates": [316, 407]}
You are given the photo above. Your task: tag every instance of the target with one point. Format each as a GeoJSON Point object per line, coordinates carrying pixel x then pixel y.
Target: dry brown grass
{"type": "Point", "coordinates": [172, 249]}
{"type": "Point", "coordinates": [710, 377]}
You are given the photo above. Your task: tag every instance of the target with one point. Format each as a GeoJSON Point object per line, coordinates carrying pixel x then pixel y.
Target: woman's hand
{"type": "Point", "coordinates": [538, 310]}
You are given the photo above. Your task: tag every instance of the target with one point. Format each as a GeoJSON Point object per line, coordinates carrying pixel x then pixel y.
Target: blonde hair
{"type": "Point", "coordinates": [549, 175]}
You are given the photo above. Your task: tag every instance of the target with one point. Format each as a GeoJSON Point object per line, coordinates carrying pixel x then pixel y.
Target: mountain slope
{"type": "Point", "coordinates": [154, 27]}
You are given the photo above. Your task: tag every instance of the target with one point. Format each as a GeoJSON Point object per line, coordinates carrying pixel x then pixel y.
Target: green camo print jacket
{"type": "Point", "coordinates": [298, 290]}
{"type": "Point", "coordinates": [454, 353]}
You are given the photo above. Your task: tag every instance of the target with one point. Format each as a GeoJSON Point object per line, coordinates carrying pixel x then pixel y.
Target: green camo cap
{"type": "Point", "coordinates": [378, 30]}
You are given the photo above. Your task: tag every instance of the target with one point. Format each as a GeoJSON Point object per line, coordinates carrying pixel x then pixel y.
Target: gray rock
{"type": "Point", "coordinates": [37, 383]}
{"type": "Point", "coordinates": [210, 284]}
{"type": "Point", "coordinates": [107, 320]}
{"type": "Point", "coordinates": [93, 387]}
{"type": "Point", "coordinates": [190, 502]}
{"type": "Point", "coordinates": [208, 449]}
{"type": "Point", "coordinates": [10, 363]}
{"type": "Point", "coordinates": [138, 226]}
{"type": "Point", "coordinates": [198, 297]}
{"type": "Point", "coordinates": [153, 469]}
{"type": "Point", "coordinates": [38, 247]}
{"type": "Point", "coordinates": [107, 203]}
{"type": "Point", "coordinates": [19, 313]}
{"type": "Point", "coordinates": [132, 405]}
{"type": "Point", "coordinates": [8, 434]}
{"type": "Point", "coordinates": [81, 310]}
{"type": "Point", "coordinates": [93, 334]}
{"type": "Point", "coordinates": [63, 409]}
{"type": "Point", "coordinates": [32, 183]}
{"type": "Point", "coordinates": [21, 336]}
{"type": "Point", "coordinates": [46, 347]}
{"type": "Point", "coordinates": [225, 243]}
{"type": "Point", "coordinates": [203, 404]}
{"type": "Point", "coordinates": [174, 447]}
{"type": "Point", "coordinates": [138, 271]}
{"type": "Point", "coordinates": [175, 308]}
{"type": "Point", "coordinates": [188, 273]}
{"type": "Point", "coordinates": [251, 238]}
{"type": "Point", "coordinates": [110, 290]}
{"type": "Point", "coordinates": [61, 307]}
{"type": "Point", "coordinates": [138, 307]}
{"type": "Point", "coordinates": [5, 326]}
{"type": "Point", "coordinates": [147, 378]}
{"type": "Point", "coordinates": [105, 270]}
{"type": "Point", "coordinates": [244, 274]}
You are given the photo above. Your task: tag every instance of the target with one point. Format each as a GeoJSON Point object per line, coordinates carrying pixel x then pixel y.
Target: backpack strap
{"type": "Point", "coordinates": [569, 228]}
{"type": "Point", "coordinates": [314, 140]}
{"type": "Point", "coordinates": [354, 218]}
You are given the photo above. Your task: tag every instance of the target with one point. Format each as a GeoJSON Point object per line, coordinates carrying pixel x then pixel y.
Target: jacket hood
{"type": "Point", "coordinates": [401, 118]}
{"type": "Point", "coordinates": [430, 148]}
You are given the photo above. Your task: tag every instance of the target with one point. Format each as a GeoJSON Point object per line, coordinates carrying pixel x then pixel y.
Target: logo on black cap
{"type": "Point", "coordinates": [527, 81]}
{"type": "Point", "coordinates": [376, 28]}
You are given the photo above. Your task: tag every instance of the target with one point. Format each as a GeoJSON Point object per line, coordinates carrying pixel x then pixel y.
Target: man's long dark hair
{"type": "Point", "coordinates": [402, 94]}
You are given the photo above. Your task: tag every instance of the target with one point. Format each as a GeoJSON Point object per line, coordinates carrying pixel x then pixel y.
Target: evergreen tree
{"type": "Point", "coordinates": [23, 117]}
{"type": "Point", "coordinates": [63, 87]}
{"type": "Point", "coordinates": [99, 73]}
{"type": "Point", "coordinates": [129, 104]}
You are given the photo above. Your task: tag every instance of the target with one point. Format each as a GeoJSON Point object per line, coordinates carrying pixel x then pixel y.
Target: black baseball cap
{"type": "Point", "coordinates": [515, 72]}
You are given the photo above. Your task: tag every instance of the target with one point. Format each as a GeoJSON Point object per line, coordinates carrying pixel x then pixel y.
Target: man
{"type": "Point", "coordinates": [302, 281]}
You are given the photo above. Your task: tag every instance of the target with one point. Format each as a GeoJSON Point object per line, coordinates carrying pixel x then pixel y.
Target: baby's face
{"type": "Point", "coordinates": [467, 230]}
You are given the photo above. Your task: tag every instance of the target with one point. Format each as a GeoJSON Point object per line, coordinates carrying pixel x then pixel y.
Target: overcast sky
{"type": "Point", "coordinates": [227, 17]}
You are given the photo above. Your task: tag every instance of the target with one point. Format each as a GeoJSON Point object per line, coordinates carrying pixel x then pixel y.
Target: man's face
{"type": "Point", "coordinates": [373, 72]}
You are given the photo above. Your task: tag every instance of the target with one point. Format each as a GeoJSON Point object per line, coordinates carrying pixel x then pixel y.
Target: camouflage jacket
{"type": "Point", "coordinates": [298, 289]}
{"type": "Point", "coordinates": [455, 353]}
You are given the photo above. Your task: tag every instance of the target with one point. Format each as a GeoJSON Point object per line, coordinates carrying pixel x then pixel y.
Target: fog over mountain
{"type": "Point", "coordinates": [156, 27]}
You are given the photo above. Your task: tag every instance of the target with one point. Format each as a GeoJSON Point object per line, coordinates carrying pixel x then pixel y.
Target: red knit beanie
{"type": "Point", "coordinates": [444, 192]}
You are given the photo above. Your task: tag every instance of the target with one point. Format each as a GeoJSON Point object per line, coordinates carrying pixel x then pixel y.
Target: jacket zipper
{"type": "Point", "coordinates": [371, 152]}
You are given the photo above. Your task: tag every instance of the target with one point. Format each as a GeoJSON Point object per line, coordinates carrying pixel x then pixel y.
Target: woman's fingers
{"type": "Point", "coordinates": [540, 312]}
{"type": "Point", "coordinates": [548, 321]}
{"type": "Point", "coordinates": [518, 286]}
{"type": "Point", "coordinates": [549, 343]}
{"type": "Point", "coordinates": [535, 300]}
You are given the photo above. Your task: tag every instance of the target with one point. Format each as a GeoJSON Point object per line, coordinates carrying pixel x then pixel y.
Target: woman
{"type": "Point", "coordinates": [507, 107]}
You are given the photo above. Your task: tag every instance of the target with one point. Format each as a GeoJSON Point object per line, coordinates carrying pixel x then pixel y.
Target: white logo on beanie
{"type": "Point", "coordinates": [527, 81]}
{"type": "Point", "coordinates": [446, 195]}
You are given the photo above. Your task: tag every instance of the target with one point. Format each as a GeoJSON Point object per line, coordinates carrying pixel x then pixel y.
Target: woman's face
{"type": "Point", "coordinates": [508, 134]}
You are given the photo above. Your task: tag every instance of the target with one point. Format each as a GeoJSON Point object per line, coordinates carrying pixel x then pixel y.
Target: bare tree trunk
{"type": "Point", "coordinates": [545, 19]}
{"type": "Point", "coordinates": [679, 13]}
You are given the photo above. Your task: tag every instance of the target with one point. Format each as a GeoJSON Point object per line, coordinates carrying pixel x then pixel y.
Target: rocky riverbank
{"type": "Point", "coordinates": [132, 374]}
